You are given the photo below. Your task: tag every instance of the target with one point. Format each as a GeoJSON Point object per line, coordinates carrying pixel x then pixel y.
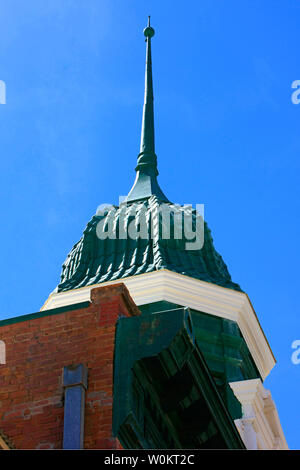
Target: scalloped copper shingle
{"type": "Point", "coordinates": [93, 261]}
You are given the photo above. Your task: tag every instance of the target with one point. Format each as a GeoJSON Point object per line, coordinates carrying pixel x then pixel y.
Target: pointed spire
{"type": "Point", "coordinates": [146, 184]}
{"type": "Point", "coordinates": [147, 149]}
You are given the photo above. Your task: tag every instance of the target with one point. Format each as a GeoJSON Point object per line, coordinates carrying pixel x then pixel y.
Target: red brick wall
{"type": "Point", "coordinates": [31, 392]}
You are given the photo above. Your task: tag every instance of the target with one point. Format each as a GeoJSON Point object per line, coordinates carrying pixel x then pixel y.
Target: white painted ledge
{"type": "Point", "coordinates": [189, 292]}
{"type": "Point", "coordinates": [259, 426]}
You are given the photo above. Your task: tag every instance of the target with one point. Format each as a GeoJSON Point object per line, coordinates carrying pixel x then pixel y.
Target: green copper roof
{"type": "Point", "coordinates": [94, 260]}
{"type": "Point", "coordinates": [98, 257]}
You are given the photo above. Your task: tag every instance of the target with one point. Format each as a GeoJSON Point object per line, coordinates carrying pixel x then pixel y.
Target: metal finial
{"type": "Point", "coordinates": [149, 31]}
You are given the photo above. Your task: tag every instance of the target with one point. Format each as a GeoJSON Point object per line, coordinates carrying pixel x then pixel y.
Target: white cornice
{"type": "Point", "coordinates": [189, 292]}
{"type": "Point", "coordinates": [259, 426]}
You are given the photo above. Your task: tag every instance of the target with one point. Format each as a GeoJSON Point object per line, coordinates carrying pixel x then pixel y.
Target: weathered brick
{"type": "Point", "coordinates": [31, 391]}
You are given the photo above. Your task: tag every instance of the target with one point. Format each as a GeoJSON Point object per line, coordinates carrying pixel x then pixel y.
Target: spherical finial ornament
{"type": "Point", "coordinates": [149, 32]}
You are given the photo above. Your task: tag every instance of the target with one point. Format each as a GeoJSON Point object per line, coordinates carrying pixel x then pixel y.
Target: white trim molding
{"type": "Point", "coordinates": [188, 292]}
{"type": "Point", "coordinates": [2, 352]}
{"type": "Point", "coordinates": [259, 426]}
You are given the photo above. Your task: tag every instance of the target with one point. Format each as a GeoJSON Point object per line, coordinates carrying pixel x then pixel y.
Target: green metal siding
{"type": "Point", "coordinates": [164, 393]}
{"type": "Point", "coordinates": [223, 347]}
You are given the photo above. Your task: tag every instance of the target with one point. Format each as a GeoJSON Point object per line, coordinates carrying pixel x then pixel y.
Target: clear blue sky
{"type": "Point", "coordinates": [227, 135]}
